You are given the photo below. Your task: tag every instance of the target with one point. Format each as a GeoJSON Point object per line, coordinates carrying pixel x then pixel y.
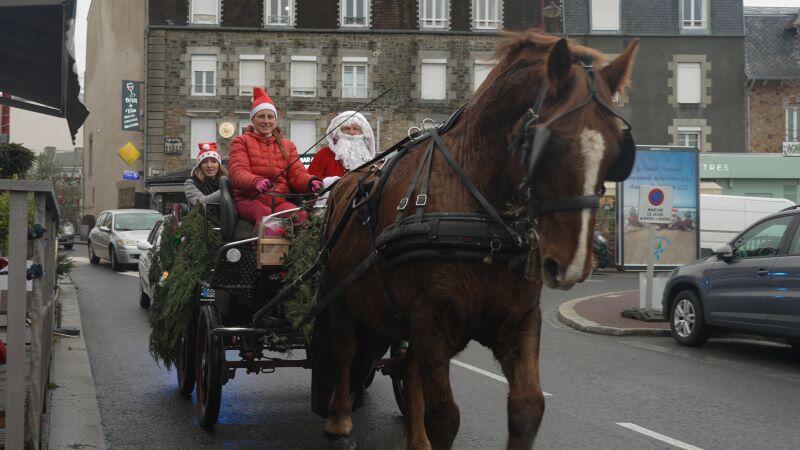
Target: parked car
{"type": "Point", "coordinates": [750, 285]}
{"type": "Point", "coordinates": [116, 234]}
{"type": "Point", "coordinates": [153, 240]}
{"type": "Point", "coordinates": [66, 235]}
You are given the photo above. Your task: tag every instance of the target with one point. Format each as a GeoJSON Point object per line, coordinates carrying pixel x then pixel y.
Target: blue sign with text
{"type": "Point", "coordinates": [130, 175]}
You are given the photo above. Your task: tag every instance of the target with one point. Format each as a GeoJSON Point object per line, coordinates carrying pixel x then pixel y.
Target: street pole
{"type": "Point", "coordinates": [651, 240]}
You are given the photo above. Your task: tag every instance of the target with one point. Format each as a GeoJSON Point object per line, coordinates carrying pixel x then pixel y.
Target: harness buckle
{"type": "Point", "coordinates": [403, 204]}
{"type": "Point", "coordinates": [422, 200]}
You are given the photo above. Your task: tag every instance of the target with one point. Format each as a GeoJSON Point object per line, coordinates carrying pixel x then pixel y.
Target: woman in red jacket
{"type": "Point", "coordinates": [258, 163]}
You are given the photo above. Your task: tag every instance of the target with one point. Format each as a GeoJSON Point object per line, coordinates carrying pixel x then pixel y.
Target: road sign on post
{"type": "Point", "coordinates": [655, 206]}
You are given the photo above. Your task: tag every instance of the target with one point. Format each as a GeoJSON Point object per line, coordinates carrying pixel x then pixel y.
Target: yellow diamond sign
{"type": "Point", "coordinates": [129, 153]}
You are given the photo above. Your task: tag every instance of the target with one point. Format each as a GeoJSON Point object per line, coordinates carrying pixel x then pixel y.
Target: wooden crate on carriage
{"type": "Point", "coordinates": [272, 251]}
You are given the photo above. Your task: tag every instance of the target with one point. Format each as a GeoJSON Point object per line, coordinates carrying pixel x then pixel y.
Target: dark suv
{"type": "Point", "coordinates": [751, 285]}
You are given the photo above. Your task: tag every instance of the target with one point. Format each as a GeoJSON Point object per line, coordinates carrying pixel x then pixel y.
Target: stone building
{"type": "Point", "coordinates": [316, 59]}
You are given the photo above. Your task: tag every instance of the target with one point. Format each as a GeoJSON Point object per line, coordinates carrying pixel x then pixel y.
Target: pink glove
{"type": "Point", "coordinates": [316, 185]}
{"type": "Point", "coordinates": [263, 185]}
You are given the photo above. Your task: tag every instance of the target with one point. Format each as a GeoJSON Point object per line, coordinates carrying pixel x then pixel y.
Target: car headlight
{"type": "Point", "coordinates": [67, 229]}
{"type": "Point", "coordinates": [126, 242]}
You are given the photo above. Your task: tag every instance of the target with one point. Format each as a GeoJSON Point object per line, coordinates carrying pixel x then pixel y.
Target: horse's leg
{"type": "Point", "coordinates": [442, 417]}
{"type": "Point", "coordinates": [343, 349]}
{"type": "Point", "coordinates": [517, 349]}
{"type": "Point", "coordinates": [416, 438]}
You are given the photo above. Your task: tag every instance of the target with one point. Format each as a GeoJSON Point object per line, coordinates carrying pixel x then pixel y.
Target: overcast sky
{"type": "Point", "coordinates": [83, 11]}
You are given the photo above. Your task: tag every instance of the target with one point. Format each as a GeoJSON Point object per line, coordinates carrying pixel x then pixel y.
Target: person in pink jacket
{"type": "Point", "coordinates": [263, 165]}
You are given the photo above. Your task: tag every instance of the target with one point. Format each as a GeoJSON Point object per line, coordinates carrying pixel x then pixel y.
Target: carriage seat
{"type": "Point", "coordinates": [233, 228]}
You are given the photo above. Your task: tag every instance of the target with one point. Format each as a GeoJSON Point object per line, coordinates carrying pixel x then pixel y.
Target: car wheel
{"type": "Point", "coordinates": [94, 259]}
{"type": "Point", "coordinates": [68, 246]}
{"type": "Point", "coordinates": [112, 256]}
{"type": "Point", "coordinates": [144, 299]}
{"type": "Point", "coordinates": [686, 320]}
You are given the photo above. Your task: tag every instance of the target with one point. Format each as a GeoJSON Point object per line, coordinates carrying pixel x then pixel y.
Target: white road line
{"type": "Point", "coordinates": [658, 436]}
{"type": "Point", "coordinates": [486, 373]}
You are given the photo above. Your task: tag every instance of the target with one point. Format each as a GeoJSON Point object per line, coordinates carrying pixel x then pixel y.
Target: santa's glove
{"type": "Point", "coordinates": [316, 185]}
{"type": "Point", "coordinates": [263, 185]}
{"type": "Point", "coordinates": [328, 181]}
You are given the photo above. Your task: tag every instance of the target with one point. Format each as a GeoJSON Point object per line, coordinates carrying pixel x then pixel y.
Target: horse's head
{"type": "Point", "coordinates": [566, 140]}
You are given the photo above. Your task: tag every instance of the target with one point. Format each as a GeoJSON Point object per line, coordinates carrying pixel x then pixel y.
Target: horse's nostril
{"type": "Point", "coordinates": [551, 268]}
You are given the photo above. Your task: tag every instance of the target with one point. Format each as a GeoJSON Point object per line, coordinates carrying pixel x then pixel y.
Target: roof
{"type": "Point", "coordinates": [768, 10]}
{"type": "Point", "coordinates": [70, 158]}
{"type": "Point", "coordinates": [770, 44]}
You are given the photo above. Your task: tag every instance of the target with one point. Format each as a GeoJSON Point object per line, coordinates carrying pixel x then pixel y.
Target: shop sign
{"type": "Point", "coordinates": [173, 146]}
{"type": "Point", "coordinates": [131, 105]}
{"type": "Point", "coordinates": [791, 149]}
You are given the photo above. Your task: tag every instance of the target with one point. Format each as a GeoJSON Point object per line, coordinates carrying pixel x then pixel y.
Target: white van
{"type": "Point", "coordinates": [722, 217]}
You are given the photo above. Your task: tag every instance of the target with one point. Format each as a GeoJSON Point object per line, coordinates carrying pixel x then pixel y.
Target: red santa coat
{"type": "Point", "coordinates": [325, 164]}
{"type": "Point", "coordinates": [253, 157]}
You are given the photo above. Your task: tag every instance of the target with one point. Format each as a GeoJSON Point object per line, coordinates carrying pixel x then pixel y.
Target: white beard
{"type": "Point", "coordinates": [352, 151]}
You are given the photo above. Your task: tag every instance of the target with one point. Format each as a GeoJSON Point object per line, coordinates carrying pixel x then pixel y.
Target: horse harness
{"type": "Point", "coordinates": [459, 236]}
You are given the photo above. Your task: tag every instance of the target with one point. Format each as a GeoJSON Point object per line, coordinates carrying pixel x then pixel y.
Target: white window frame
{"type": "Point", "coordinates": [246, 89]}
{"type": "Point", "coordinates": [481, 11]}
{"type": "Point", "coordinates": [425, 88]}
{"type": "Point", "coordinates": [440, 18]}
{"type": "Point", "coordinates": [685, 95]}
{"type": "Point", "coordinates": [691, 22]}
{"type": "Point", "coordinates": [192, 12]}
{"type": "Point", "coordinates": [792, 124]}
{"type": "Point", "coordinates": [355, 62]}
{"type": "Point", "coordinates": [195, 137]}
{"type": "Point", "coordinates": [682, 136]}
{"type": "Point", "coordinates": [303, 91]}
{"type": "Point", "coordinates": [612, 9]}
{"type": "Point", "coordinates": [269, 19]}
{"type": "Point", "coordinates": [198, 64]}
{"type": "Point", "coordinates": [485, 64]}
{"type": "Point", "coordinates": [344, 18]}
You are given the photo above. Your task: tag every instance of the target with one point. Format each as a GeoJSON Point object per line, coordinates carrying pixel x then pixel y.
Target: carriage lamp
{"type": "Point", "coordinates": [233, 255]}
{"type": "Point", "coordinates": [164, 276]}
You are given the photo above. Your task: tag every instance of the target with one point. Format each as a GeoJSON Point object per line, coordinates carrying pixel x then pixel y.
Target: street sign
{"type": "Point", "coordinates": [131, 105]}
{"type": "Point", "coordinates": [791, 149]}
{"type": "Point", "coordinates": [655, 204]}
{"type": "Point", "coordinates": [129, 153]}
{"type": "Point", "coordinates": [173, 146]}
{"type": "Point", "coordinates": [130, 175]}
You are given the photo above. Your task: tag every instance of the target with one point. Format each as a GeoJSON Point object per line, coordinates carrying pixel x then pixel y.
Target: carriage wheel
{"type": "Point", "coordinates": [209, 367]}
{"type": "Point", "coordinates": [398, 376]}
{"type": "Point", "coordinates": [185, 365]}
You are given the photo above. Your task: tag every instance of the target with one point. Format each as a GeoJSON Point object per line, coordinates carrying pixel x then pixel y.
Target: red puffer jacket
{"type": "Point", "coordinates": [253, 157]}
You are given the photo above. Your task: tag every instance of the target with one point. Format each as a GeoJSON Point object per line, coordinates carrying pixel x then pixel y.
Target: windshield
{"type": "Point", "coordinates": [135, 221]}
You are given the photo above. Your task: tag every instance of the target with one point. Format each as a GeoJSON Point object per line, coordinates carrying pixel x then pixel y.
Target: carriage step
{"type": "Point", "coordinates": [238, 331]}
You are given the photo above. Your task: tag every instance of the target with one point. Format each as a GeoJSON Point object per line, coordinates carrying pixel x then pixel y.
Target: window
{"type": "Point", "coordinates": [304, 134]}
{"type": "Point", "coordinates": [486, 14]}
{"type": "Point", "coordinates": [792, 125]}
{"type": "Point", "coordinates": [693, 14]}
{"type": "Point", "coordinates": [762, 240]}
{"type": "Point", "coordinates": [354, 78]}
{"type": "Point", "coordinates": [605, 15]}
{"type": "Point", "coordinates": [251, 73]}
{"type": "Point", "coordinates": [354, 13]}
{"type": "Point", "coordinates": [204, 70]}
{"type": "Point", "coordinates": [278, 12]}
{"type": "Point", "coordinates": [434, 13]}
{"type": "Point", "coordinates": [203, 130]}
{"type": "Point", "coordinates": [690, 137]}
{"type": "Point", "coordinates": [243, 124]}
{"type": "Point", "coordinates": [205, 12]}
{"type": "Point", "coordinates": [304, 76]}
{"type": "Point", "coordinates": [434, 83]}
{"type": "Point", "coordinates": [794, 248]}
{"type": "Point", "coordinates": [481, 71]}
{"type": "Point", "coordinates": [689, 82]}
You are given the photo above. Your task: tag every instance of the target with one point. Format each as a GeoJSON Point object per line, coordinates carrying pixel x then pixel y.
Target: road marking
{"type": "Point", "coordinates": [612, 296]}
{"type": "Point", "coordinates": [660, 437]}
{"type": "Point", "coordinates": [80, 259]}
{"type": "Point", "coordinates": [130, 274]}
{"type": "Point", "coordinates": [487, 373]}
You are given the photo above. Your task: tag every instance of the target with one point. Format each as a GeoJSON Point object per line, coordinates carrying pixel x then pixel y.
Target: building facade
{"type": "Point", "coordinates": [688, 80]}
{"type": "Point", "coordinates": [316, 58]}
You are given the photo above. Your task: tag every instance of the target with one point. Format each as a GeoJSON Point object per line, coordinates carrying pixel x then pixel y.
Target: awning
{"type": "Point", "coordinates": [36, 59]}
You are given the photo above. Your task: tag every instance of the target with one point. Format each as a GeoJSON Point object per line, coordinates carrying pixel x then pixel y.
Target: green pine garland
{"type": "Point", "coordinates": [306, 243]}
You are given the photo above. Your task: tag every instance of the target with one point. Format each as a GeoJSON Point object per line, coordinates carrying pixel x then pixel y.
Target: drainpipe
{"type": "Point", "coordinates": [144, 107]}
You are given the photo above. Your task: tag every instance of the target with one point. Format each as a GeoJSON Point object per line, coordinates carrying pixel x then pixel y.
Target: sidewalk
{"type": "Point", "coordinates": [73, 419]}
{"type": "Point", "coordinates": [601, 314]}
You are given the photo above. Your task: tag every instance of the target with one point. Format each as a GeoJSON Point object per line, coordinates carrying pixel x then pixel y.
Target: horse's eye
{"type": "Point", "coordinates": [602, 190]}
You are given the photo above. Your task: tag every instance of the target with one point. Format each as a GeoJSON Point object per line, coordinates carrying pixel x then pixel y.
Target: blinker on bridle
{"type": "Point", "coordinates": [532, 140]}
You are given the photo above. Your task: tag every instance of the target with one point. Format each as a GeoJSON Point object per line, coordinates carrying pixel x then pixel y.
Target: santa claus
{"type": "Point", "coordinates": [350, 144]}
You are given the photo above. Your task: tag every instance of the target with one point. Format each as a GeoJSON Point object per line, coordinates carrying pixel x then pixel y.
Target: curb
{"type": "Point", "coordinates": [568, 316]}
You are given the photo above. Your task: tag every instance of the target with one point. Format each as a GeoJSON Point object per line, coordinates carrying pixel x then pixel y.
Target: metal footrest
{"type": "Point", "coordinates": [238, 331]}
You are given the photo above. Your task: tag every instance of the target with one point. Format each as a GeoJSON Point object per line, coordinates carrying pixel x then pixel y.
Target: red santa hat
{"type": "Point", "coordinates": [207, 150]}
{"type": "Point", "coordinates": [261, 101]}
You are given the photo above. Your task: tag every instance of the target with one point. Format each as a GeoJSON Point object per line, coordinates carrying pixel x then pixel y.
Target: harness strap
{"type": "Point", "coordinates": [404, 201]}
{"type": "Point", "coordinates": [422, 196]}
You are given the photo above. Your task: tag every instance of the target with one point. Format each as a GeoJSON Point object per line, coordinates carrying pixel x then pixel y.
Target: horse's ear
{"type": "Point", "coordinates": [559, 64]}
{"type": "Point", "coordinates": [617, 73]}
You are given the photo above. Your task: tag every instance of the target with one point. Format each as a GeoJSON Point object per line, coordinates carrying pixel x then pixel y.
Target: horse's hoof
{"type": "Point", "coordinates": [345, 442]}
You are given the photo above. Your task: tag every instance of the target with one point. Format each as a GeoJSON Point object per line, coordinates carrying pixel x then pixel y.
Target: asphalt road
{"type": "Point", "coordinates": [604, 392]}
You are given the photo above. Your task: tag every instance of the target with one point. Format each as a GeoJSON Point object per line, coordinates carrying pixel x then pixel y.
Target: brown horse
{"type": "Point", "coordinates": [446, 304]}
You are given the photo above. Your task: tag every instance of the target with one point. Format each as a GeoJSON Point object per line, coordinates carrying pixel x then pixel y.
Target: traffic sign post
{"type": "Point", "coordinates": [655, 206]}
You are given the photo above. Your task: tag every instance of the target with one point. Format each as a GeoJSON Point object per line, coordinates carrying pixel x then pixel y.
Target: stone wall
{"type": "Point", "coordinates": [767, 103]}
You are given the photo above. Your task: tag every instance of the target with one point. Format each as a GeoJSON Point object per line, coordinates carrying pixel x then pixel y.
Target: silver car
{"type": "Point", "coordinates": [153, 240]}
{"type": "Point", "coordinates": [116, 234]}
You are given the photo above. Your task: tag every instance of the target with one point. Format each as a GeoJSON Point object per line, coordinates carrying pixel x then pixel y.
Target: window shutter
{"type": "Point", "coordinates": [689, 80]}
{"type": "Point", "coordinates": [304, 134]}
{"type": "Point", "coordinates": [304, 77]}
{"type": "Point", "coordinates": [605, 15]}
{"type": "Point", "coordinates": [251, 73]}
{"type": "Point", "coordinates": [205, 11]}
{"type": "Point", "coordinates": [482, 69]}
{"type": "Point", "coordinates": [204, 63]}
{"type": "Point", "coordinates": [434, 85]}
{"type": "Point", "coordinates": [203, 130]}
